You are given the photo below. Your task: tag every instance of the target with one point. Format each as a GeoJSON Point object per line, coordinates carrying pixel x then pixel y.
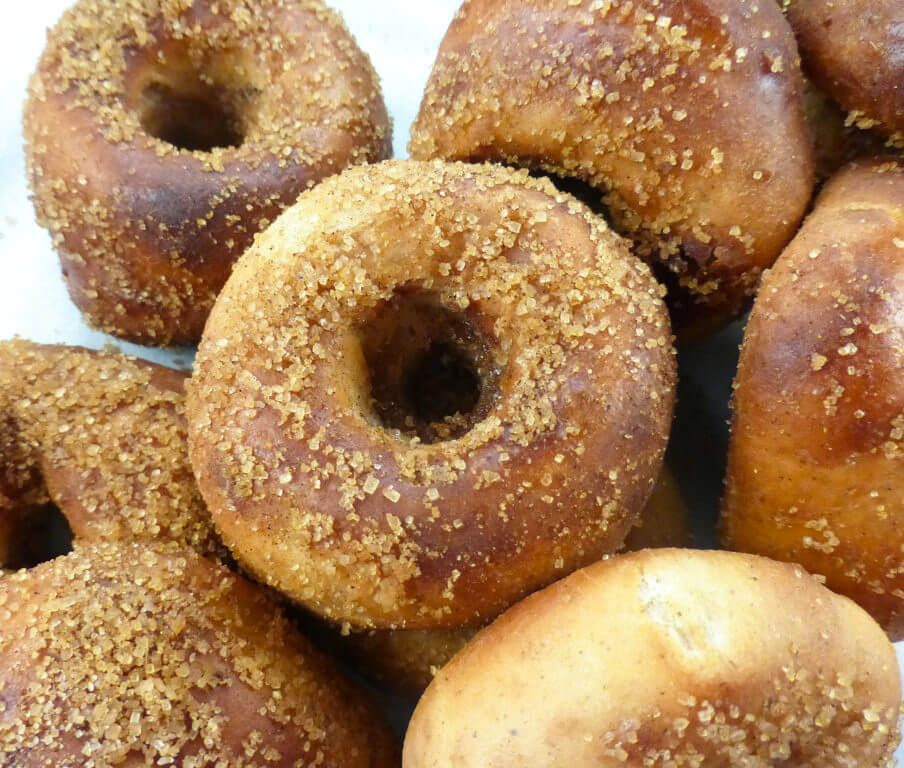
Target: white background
{"type": "Point", "coordinates": [401, 37]}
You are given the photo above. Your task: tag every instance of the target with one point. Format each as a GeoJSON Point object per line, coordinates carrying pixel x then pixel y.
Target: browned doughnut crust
{"type": "Point", "coordinates": [147, 232]}
{"type": "Point", "coordinates": [314, 488]}
{"type": "Point", "coordinates": [103, 436]}
{"type": "Point", "coordinates": [668, 659]}
{"type": "Point", "coordinates": [853, 51]}
{"type": "Point", "coordinates": [126, 655]}
{"type": "Point", "coordinates": [816, 466]}
{"type": "Point", "coordinates": [408, 659]}
{"type": "Point", "coordinates": [686, 114]}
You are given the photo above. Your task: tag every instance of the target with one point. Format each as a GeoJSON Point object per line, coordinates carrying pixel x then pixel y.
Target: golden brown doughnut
{"type": "Point", "coordinates": [686, 114]}
{"type": "Point", "coordinates": [130, 655]}
{"type": "Point", "coordinates": [428, 390]}
{"type": "Point", "coordinates": [161, 135]}
{"type": "Point", "coordinates": [101, 435]}
{"type": "Point", "coordinates": [668, 659]}
{"type": "Point", "coordinates": [816, 465]}
{"type": "Point", "coordinates": [852, 50]}
{"type": "Point", "coordinates": [408, 659]}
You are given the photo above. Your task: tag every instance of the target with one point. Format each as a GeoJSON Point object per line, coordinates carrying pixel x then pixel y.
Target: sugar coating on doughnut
{"type": "Point", "coordinates": [687, 116]}
{"type": "Point", "coordinates": [409, 659]}
{"type": "Point", "coordinates": [370, 525]}
{"type": "Point", "coordinates": [148, 230]}
{"type": "Point", "coordinates": [103, 435]}
{"type": "Point", "coordinates": [131, 655]}
{"type": "Point", "coordinates": [852, 51]}
{"type": "Point", "coordinates": [668, 659]}
{"type": "Point", "coordinates": [815, 472]}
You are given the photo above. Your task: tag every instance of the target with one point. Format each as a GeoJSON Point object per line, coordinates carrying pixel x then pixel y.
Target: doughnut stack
{"type": "Point", "coordinates": [428, 415]}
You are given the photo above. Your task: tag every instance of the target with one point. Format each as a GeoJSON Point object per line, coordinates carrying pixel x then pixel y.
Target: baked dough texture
{"type": "Point", "coordinates": [668, 659]}
{"type": "Point", "coordinates": [161, 135]}
{"type": "Point", "coordinates": [326, 482]}
{"type": "Point", "coordinates": [686, 115]}
{"type": "Point", "coordinates": [816, 461]}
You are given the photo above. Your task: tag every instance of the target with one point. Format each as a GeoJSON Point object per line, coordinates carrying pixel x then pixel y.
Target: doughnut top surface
{"type": "Point", "coordinates": [686, 115]}
{"type": "Point", "coordinates": [103, 435]}
{"type": "Point", "coordinates": [368, 521]}
{"type": "Point", "coordinates": [125, 655]}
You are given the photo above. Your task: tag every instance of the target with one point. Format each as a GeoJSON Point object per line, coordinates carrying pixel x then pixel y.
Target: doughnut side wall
{"type": "Point", "coordinates": [365, 526]}
{"type": "Point", "coordinates": [815, 466]}
{"type": "Point", "coordinates": [855, 52]}
{"type": "Point", "coordinates": [667, 659]}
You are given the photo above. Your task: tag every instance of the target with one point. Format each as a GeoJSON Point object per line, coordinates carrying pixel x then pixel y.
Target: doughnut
{"type": "Point", "coordinates": [408, 659]}
{"type": "Point", "coordinates": [852, 51]}
{"type": "Point", "coordinates": [460, 391]}
{"type": "Point", "coordinates": [816, 461]}
{"type": "Point", "coordinates": [686, 116]}
{"type": "Point", "coordinates": [675, 658]}
{"type": "Point", "coordinates": [103, 437]}
{"type": "Point", "coordinates": [129, 654]}
{"type": "Point", "coordinates": [161, 135]}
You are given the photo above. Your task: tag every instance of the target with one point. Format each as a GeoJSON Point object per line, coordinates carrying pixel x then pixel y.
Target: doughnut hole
{"type": "Point", "coordinates": [195, 106]}
{"type": "Point", "coordinates": [431, 373]}
{"type": "Point", "coordinates": [35, 535]}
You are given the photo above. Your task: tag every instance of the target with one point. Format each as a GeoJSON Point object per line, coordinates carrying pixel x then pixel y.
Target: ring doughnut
{"type": "Point", "coordinates": [816, 460]}
{"type": "Point", "coordinates": [133, 655]}
{"type": "Point", "coordinates": [102, 436]}
{"type": "Point", "coordinates": [852, 52]}
{"type": "Point", "coordinates": [408, 659]}
{"type": "Point", "coordinates": [686, 115]}
{"type": "Point", "coordinates": [161, 135]}
{"type": "Point", "coordinates": [668, 658]}
{"type": "Point", "coordinates": [463, 392]}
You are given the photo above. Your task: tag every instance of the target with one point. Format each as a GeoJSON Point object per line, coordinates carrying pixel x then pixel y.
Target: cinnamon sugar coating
{"type": "Point", "coordinates": [685, 114]}
{"type": "Point", "coordinates": [147, 231]}
{"type": "Point", "coordinates": [852, 50]}
{"type": "Point", "coordinates": [408, 659]}
{"type": "Point", "coordinates": [365, 522]}
{"type": "Point", "coordinates": [132, 655]}
{"type": "Point", "coordinates": [103, 436]}
{"type": "Point", "coordinates": [816, 462]}
{"type": "Point", "coordinates": [668, 659]}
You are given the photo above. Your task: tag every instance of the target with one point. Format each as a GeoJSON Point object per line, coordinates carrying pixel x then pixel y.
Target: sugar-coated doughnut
{"type": "Point", "coordinates": [161, 135]}
{"type": "Point", "coordinates": [852, 50]}
{"type": "Point", "coordinates": [816, 461]}
{"type": "Point", "coordinates": [686, 114]}
{"type": "Point", "coordinates": [101, 435]}
{"type": "Point", "coordinates": [133, 655]}
{"type": "Point", "coordinates": [668, 659]}
{"type": "Point", "coordinates": [408, 659]}
{"type": "Point", "coordinates": [427, 390]}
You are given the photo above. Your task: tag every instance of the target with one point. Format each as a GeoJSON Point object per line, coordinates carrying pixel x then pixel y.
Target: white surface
{"type": "Point", "coordinates": [401, 36]}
